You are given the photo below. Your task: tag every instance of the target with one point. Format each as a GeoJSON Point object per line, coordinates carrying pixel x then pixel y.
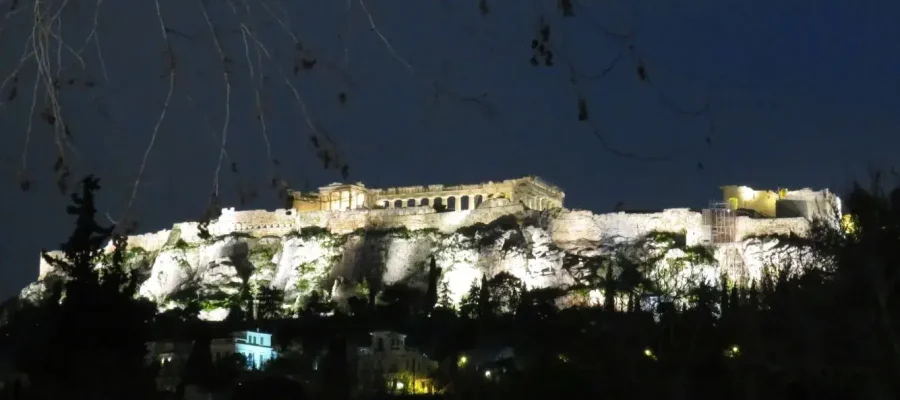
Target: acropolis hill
{"type": "Point", "coordinates": [329, 240]}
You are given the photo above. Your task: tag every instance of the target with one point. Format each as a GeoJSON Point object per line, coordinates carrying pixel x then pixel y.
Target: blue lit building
{"type": "Point", "coordinates": [256, 347]}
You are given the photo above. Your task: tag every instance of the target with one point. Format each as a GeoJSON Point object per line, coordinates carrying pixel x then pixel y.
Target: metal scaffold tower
{"type": "Point", "coordinates": [719, 223]}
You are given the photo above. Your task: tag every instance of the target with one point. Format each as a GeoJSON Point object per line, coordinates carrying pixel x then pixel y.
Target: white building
{"type": "Point", "coordinates": [256, 347]}
{"type": "Point", "coordinates": [390, 362]}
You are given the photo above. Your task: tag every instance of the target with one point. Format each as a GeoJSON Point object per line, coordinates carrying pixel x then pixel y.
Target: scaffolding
{"type": "Point", "coordinates": [719, 223]}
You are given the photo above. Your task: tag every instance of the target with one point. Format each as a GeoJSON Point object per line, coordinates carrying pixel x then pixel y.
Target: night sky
{"type": "Point", "coordinates": [800, 93]}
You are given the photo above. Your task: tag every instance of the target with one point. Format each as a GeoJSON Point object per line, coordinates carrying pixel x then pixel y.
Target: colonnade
{"type": "Point", "coordinates": [455, 203]}
{"type": "Point", "coordinates": [464, 202]}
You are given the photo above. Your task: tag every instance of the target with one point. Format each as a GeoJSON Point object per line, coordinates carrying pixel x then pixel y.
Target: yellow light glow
{"type": "Point", "coordinates": [649, 354]}
{"type": "Point", "coordinates": [487, 374]}
{"type": "Point", "coordinates": [733, 203]}
{"type": "Point", "coordinates": [746, 193]}
{"type": "Point", "coordinates": [399, 385]}
{"type": "Point", "coordinates": [422, 386]}
{"type": "Point", "coordinates": [733, 351]}
{"type": "Point", "coordinates": [463, 360]}
{"type": "Point", "coordinates": [848, 224]}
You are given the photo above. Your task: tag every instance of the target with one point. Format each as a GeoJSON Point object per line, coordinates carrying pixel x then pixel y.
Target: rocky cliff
{"type": "Point", "coordinates": [326, 257]}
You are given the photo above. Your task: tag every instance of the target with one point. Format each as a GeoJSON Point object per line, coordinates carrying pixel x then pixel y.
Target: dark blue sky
{"type": "Point", "coordinates": [801, 94]}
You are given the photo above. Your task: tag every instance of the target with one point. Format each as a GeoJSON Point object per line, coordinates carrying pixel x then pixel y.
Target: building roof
{"type": "Point", "coordinates": [388, 333]}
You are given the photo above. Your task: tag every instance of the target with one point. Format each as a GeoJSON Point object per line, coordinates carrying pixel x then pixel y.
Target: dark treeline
{"type": "Point", "coordinates": [823, 331]}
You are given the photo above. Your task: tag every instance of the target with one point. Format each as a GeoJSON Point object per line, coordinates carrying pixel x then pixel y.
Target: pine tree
{"type": "Point", "coordinates": [723, 294]}
{"type": "Point", "coordinates": [609, 290]}
{"type": "Point", "coordinates": [99, 322]}
{"type": "Point", "coordinates": [468, 306]}
{"type": "Point", "coordinates": [269, 301]}
{"type": "Point", "coordinates": [734, 300]}
{"type": "Point", "coordinates": [753, 296]}
{"type": "Point", "coordinates": [434, 275]}
{"type": "Point", "coordinates": [484, 309]}
{"type": "Point", "coordinates": [199, 369]}
{"type": "Point", "coordinates": [335, 370]}
{"type": "Point", "coordinates": [444, 300]}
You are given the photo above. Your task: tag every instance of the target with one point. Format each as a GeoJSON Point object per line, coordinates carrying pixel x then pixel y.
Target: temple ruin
{"type": "Point", "coordinates": [531, 192]}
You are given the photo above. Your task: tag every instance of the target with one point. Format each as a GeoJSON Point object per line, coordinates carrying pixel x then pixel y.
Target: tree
{"type": "Point", "coordinates": [99, 322]}
{"type": "Point", "coordinates": [335, 370]}
{"type": "Point", "coordinates": [226, 369]}
{"type": "Point", "coordinates": [269, 302]}
{"type": "Point", "coordinates": [505, 293]}
{"type": "Point", "coordinates": [316, 305]}
{"type": "Point", "coordinates": [468, 305]}
{"type": "Point", "coordinates": [434, 276]}
{"type": "Point", "coordinates": [400, 301]}
{"type": "Point", "coordinates": [200, 368]}
{"type": "Point", "coordinates": [444, 300]}
{"type": "Point", "coordinates": [485, 308]}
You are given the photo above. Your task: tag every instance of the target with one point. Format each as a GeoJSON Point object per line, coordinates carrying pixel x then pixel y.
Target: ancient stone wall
{"type": "Point", "coordinates": [150, 241]}
{"type": "Point", "coordinates": [281, 222]}
{"type": "Point", "coordinates": [187, 231]}
{"type": "Point", "coordinates": [750, 227]}
{"type": "Point", "coordinates": [582, 225]}
{"type": "Point", "coordinates": [411, 218]}
{"type": "Point", "coordinates": [257, 222]}
{"type": "Point", "coordinates": [570, 225]}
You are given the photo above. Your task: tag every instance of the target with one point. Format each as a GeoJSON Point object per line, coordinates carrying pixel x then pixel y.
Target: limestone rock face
{"type": "Point", "coordinates": [338, 258]}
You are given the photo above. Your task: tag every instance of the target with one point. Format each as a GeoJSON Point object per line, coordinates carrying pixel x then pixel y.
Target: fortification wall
{"type": "Point", "coordinates": [335, 221]}
{"type": "Point", "coordinates": [580, 225]}
{"type": "Point", "coordinates": [446, 221]}
{"type": "Point", "coordinates": [413, 218]}
{"type": "Point", "coordinates": [256, 222]}
{"type": "Point", "coordinates": [150, 241]}
{"type": "Point", "coordinates": [748, 227]}
{"type": "Point", "coordinates": [281, 222]}
{"type": "Point", "coordinates": [187, 231]}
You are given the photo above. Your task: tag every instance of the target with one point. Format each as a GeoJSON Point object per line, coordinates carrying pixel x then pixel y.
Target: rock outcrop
{"type": "Point", "coordinates": [338, 254]}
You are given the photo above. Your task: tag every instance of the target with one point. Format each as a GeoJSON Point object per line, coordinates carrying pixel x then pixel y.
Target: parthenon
{"type": "Point", "coordinates": [530, 191]}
